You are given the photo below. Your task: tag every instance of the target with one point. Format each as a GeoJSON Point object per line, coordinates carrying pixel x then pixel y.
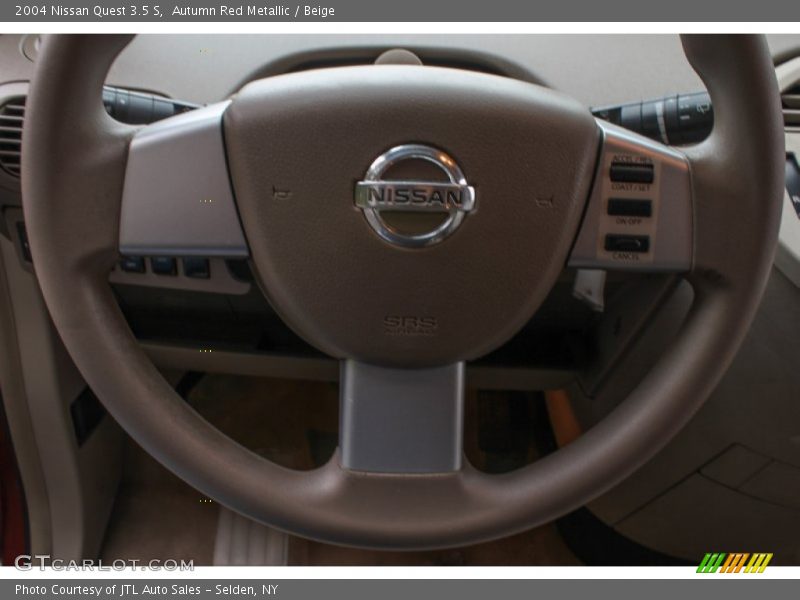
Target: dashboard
{"type": "Point", "coordinates": [207, 313]}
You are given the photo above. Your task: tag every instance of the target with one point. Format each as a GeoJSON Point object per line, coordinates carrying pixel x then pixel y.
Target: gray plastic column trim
{"type": "Point", "coordinates": [177, 198]}
{"type": "Point", "coordinates": [401, 420]}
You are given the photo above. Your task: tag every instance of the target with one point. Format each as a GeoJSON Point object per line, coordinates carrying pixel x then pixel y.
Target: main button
{"type": "Point", "coordinates": [132, 264]}
{"type": "Point", "coordinates": [163, 265]}
{"type": "Point", "coordinates": [631, 172]}
{"type": "Point", "coordinates": [196, 267]}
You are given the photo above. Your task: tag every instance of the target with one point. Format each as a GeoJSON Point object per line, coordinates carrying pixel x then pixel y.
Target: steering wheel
{"type": "Point", "coordinates": [403, 219]}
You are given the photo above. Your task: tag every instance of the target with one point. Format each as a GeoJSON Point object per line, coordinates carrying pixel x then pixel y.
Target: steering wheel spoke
{"type": "Point", "coordinates": [177, 198]}
{"type": "Point", "coordinates": [401, 420]}
{"type": "Point", "coordinates": [639, 216]}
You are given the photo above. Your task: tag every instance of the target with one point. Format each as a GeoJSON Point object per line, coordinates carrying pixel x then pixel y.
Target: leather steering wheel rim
{"type": "Point", "coordinates": [73, 171]}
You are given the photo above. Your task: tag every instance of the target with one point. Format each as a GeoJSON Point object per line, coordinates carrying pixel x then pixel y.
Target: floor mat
{"type": "Point", "coordinates": [295, 424]}
{"type": "Point", "coordinates": [158, 516]}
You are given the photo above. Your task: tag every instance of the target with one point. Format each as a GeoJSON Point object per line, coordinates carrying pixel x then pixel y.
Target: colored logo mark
{"type": "Point", "coordinates": [738, 562]}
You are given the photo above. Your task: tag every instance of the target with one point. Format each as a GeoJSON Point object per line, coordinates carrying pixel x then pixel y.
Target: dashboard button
{"type": "Point", "coordinates": [163, 265]}
{"type": "Point", "coordinates": [132, 264]}
{"type": "Point", "coordinates": [196, 268]}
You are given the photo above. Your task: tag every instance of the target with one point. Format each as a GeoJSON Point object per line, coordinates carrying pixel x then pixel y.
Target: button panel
{"type": "Point", "coordinates": [194, 267]}
{"type": "Point", "coordinates": [198, 274]}
{"type": "Point", "coordinates": [639, 216]}
{"type": "Point", "coordinates": [630, 196]}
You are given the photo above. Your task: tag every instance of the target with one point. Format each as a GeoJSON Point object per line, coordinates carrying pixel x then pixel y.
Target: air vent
{"type": "Point", "coordinates": [12, 114]}
{"type": "Point", "coordinates": [791, 106]}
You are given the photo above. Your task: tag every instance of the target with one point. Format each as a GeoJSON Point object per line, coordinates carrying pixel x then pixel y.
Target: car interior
{"type": "Point", "coordinates": [395, 299]}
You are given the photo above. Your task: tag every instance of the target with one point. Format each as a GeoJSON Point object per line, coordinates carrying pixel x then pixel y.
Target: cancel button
{"type": "Point", "coordinates": [627, 243]}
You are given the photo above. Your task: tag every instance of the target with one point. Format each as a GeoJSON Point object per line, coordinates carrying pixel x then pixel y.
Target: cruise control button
{"type": "Point", "coordinates": [132, 264]}
{"type": "Point", "coordinates": [631, 172]}
{"type": "Point", "coordinates": [197, 268]}
{"type": "Point", "coordinates": [627, 243]}
{"type": "Point", "coordinates": [163, 265]}
{"type": "Point", "coordinates": [629, 207]}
